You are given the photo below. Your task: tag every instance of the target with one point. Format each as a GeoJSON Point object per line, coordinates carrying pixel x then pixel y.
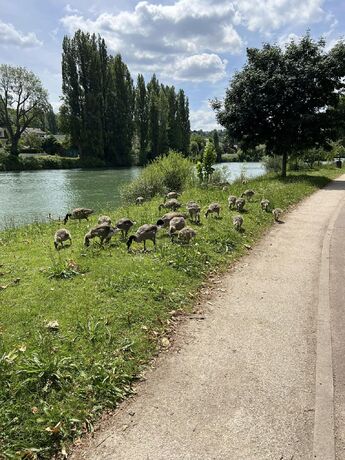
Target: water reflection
{"type": "Point", "coordinates": [32, 195]}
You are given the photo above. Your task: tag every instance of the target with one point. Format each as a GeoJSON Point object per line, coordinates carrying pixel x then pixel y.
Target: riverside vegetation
{"type": "Point", "coordinates": [79, 325]}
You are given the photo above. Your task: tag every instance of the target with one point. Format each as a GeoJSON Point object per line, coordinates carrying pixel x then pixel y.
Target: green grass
{"type": "Point", "coordinates": [112, 307]}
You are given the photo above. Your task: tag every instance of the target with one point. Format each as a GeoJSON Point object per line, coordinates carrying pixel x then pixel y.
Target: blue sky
{"type": "Point", "coordinates": [193, 44]}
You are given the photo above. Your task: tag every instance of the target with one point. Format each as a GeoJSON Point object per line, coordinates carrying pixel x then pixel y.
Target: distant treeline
{"type": "Point", "coordinates": [108, 118]}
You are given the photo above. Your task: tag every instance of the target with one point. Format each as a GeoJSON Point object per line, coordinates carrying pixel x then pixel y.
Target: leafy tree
{"type": "Point", "coordinates": [217, 146]}
{"type": "Point", "coordinates": [283, 98]}
{"type": "Point", "coordinates": [194, 149]}
{"type": "Point", "coordinates": [141, 117]}
{"type": "Point", "coordinates": [51, 145]}
{"type": "Point", "coordinates": [183, 122]}
{"type": "Point", "coordinates": [22, 99]}
{"type": "Point", "coordinates": [153, 111]}
{"type": "Point", "coordinates": [208, 159]}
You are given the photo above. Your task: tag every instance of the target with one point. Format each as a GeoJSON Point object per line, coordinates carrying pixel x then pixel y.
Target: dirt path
{"type": "Point", "coordinates": [242, 384]}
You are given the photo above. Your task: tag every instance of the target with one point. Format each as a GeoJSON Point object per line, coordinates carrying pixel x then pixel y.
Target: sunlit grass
{"type": "Point", "coordinates": [111, 307]}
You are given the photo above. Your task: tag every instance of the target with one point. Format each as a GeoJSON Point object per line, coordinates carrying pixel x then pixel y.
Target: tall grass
{"type": "Point", "coordinates": [78, 325]}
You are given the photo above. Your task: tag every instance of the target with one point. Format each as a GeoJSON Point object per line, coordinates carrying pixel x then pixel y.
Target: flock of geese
{"type": "Point", "coordinates": [174, 220]}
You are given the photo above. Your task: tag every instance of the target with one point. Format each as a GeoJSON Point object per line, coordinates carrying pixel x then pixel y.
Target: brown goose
{"type": "Point", "coordinates": [194, 211]}
{"type": "Point", "coordinates": [104, 220]}
{"type": "Point", "coordinates": [213, 208]}
{"type": "Point", "coordinates": [265, 204]}
{"type": "Point", "coordinates": [61, 236]}
{"type": "Point", "coordinates": [238, 222]}
{"type": "Point", "coordinates": [167, 218]}
{"type": "Point", "coordinates": [232, 201]}
{"type": "Point", "coordinates": [78, 213]}
{"type": "Point", "coordinates": [248, 194]}
{"type": "Point", "coordinates": [240, 202]}
{"type": "Point", "coordinates": [144, 233]}
{"type": "Point", "coordinates": [170, 195]}
{"type": "Point", "coordinates": [176, 224]}
{"type": "Point", "coordinates": [124, 225]}
{"type": "Point", "coordinates": [186, 234]}
{"type": "Point", "coordinates": [277, 213]}
{"type": "Point", "coordinates": [104, 231]}
{"type": "Point", "coordinates": [170, 204]}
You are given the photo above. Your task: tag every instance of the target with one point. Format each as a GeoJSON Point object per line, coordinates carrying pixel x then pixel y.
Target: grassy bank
{"type": "Point", "coordinates": [111, 309]}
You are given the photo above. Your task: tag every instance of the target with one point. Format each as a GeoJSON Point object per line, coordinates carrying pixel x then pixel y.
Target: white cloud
{"type": "Point", "coordinates": [200, 67]}
{"type": "Point", "coordinates": [70, 10]}
{"type": "Point", "coordinates": [284, 40]}
{"type": "Point", "coordinates": [10, 36]}
{"type": "Point", "coordinates": [203, 118]}
{"type": "Point", "coordinates": [267, 15]}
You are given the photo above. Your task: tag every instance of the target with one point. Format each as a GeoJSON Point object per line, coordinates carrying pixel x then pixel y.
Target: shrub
{"type": "Point", "coordinates": [51, 146]}
{"type": "Point", "coordinates": [171, 172]}
{"type": "Point", "coordinates": [273, 164]}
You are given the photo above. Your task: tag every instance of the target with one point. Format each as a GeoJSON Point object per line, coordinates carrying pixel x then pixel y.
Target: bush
{"type": "Point", "coordinates": [273, 164]}
{"type": "Point", "coordinates": [172, 172]}
{"type": "Point", "coordinates": [12, 163]}
{"type": "Point", "coordinates": [51, 146]}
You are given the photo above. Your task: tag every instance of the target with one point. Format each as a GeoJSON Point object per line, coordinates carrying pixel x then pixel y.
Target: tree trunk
{"type": "Point", "coordinates": [14, 146]}
{"type": "Point", "coordinates": [284, 164]}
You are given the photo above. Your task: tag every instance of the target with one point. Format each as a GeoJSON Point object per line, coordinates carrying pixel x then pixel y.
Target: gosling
{"type": "Point", "coordinates": [170, 204]}
{"type": "Point", "coordinates": [78, 213]}
{"type": "Point", "coordinates": [139, 200]}
{"type": "Point", "coordinates": [104, 220]}
{"type": "Point", "coordinates": [167, 218]}
{"type": "Point", "coordinates": [277, 212]}
{"type": "Point", "coordinates": [170, 195]}
{"type": "Point", "coordinates": [232, 201]}
{"type": "Point", "coordinates": [265, 204]}
{"type": "Point", "coordinates": [176, 224]}
{"type": "Point", "coordinates": [194, 211]}
{"type": "Point", "coordinates": [248, 194]}
{"type": "Point", "coordinates": [186, 235]}
{"type": "Point", "coordinates": [61, 236]}
{"type": "Point", "coordinates": [104, 231]}
{"type": "Point", "coordinates": [214, 208]}
{"type": "Point", "coordinates": [239, 204]}
{"type": "Point", "coordinates": [238, 222]}
{"type": "Point", "coordinates": [124, 225]}
{"type": "Point", "coordinates": [144, 233]}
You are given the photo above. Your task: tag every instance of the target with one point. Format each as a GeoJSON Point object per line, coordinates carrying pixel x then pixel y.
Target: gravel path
{"type": "Point", "coordinates": [240, 384]}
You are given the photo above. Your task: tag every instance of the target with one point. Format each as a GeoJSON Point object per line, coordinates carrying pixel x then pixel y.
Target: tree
{"type": "Point", "coordinates": [283, 98]}
{"type": "Point", "coordinates": [183, 122]}
{"type": "Point", "coordinates": [153, 118]}
{"type": "Point", "coordinates": [141, 117]}
{"type": "Point", "coordinates": [22, 99]}
{"type": "Point", "coordinates": [217, 146]}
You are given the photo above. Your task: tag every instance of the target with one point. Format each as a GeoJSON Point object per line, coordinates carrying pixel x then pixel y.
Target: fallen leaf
{"type": "Point", "coordinates": [56, 429]}
{"type": "Point", "coordinates": [165, 342]}
{"type": "Point", "coordinates": [53, 325]}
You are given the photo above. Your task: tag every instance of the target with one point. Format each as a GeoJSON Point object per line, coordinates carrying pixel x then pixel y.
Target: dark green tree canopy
{"type": "Point", "coordinates": [284, 98]}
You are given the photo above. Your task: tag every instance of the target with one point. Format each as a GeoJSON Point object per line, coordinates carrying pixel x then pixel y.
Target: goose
{"type": "Point", "coordinates": [213, 208]}
{"type": "Point", "coordinates": [78, 213]}
{"type": "Point", "coordinates": [239, 204]}
{"type": "Point", "coordinates": [170, 204]}
{"type": "Point", "coordinates": [265, 204]}
{"type": "Point", "coordinates": [104, 231]}
{"type": "Point", "coordinates": [186, 234]}
{"type": "Point", "coordinates": [61, 236]}
{"type": "Point", "coordinates": [238, 222]}
{"type": "Point", "coordinates": [124, 225]}
{"type": "Point", "coordinates": [171, 195]}
{"type": "Point", "coordinates": [232, 201]}
{"type": "Point", "coordinates": [194, 211]}
{"type": "Point", "coordinates": [140, 200]}
{"type": "Point", "coordinates": [144, 233]}
{"type": "Point", "coordinates": [104, 220]}
{"type": "Point", "coordinates": [248, 194]}
{"type": "Point", "coordinates": [176, 224]}
{"type": "Point", "coordinates": [167, 218]}
{"type": "Point", "coordinates": [277, 213]}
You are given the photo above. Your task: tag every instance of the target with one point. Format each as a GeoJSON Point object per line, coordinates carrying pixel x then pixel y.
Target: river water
{"type": "Point", "coordinates": [31, 196]}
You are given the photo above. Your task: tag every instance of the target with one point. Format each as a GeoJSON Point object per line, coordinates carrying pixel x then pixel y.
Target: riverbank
{"type": "Point", "coordinates": [111, 309]}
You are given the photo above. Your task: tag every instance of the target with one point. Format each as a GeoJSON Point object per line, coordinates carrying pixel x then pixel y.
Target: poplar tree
{"type": "Point", "coordinates": [141, 117]}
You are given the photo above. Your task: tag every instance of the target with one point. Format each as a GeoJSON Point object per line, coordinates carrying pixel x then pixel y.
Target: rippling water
{"type": "Point", "coordinates": [31, 195]}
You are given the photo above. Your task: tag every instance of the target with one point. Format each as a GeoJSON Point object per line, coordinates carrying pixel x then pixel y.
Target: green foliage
{"type": "Point", "coordinates": [284, 98]}
{"type": "Point", "coordinates": [171, 172]}
{"type": "Point", "coordinates": [70, 347]}
{"type": "Point", "coordinates": [217, 148]}
{"type": "Point", "coordinates": [31, 140]}
{"type": "Point", "coordinates": [12, 163]}
{"type": "Point", "coordinates": [51, 146]}
{"type": "Point", "coordinates": [205, 167]}
{"type": "Point", "coordinates": [272, 163]}
{"type": "Point", "coordinates": [22, 100]}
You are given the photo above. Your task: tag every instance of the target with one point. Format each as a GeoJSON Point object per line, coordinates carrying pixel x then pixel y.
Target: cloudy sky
{"type": "Point", "coordinates": [193, 44]}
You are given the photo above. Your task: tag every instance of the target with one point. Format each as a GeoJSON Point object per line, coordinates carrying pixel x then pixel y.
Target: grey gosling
{"type": "Point", "coordinates": [144, 233]}
{"type": "Point", "coordinates": [265, 204]}
{"type": "Point", "coordinates": [248, 194]}
{"type": "Point", "coordinates": [238, 222]}
{"type": "Point", "coordinates": [104, 220]}
{"type": "Point", "coordinates": [186, 234]}
{"type": "Point", "coordinates": [170, 195]}
{"type": "Point", "coordinates": [194, 211]}
{"type": "Point", "coordinates": [170, 204]}
{"type": "Point", "coordinates": [176, 224]}
{"type": "Point", "coordinates": [214, 208]}
{"type": "Point", "coordinates": [277, 212]}
{"type": "Point", "coordinates": [124, 225]}
{"type": "Point", "coordinates": [140, 200]}
{"type": "Point", "coordinates": [104, 231]}
{"type": "Point", "coordinates": [78, 213]}
{"type": "Point", "coordinates": [167, 218]}
{"type": "Point", "coordinates": [240, 202]}
{"type": "Point", "coordinates": [232, 201]}
{"type": "Point", "coordinates": [61, 236]}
